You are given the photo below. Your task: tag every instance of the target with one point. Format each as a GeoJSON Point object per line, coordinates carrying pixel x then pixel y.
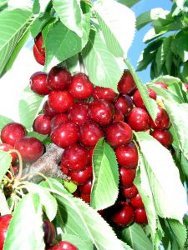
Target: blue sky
{"type": "Point", "coordinates": [138, 45]}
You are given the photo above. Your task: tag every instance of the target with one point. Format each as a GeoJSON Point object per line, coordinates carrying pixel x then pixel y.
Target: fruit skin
{"type": "Point", "coordinates": [12, 132]}
{"type": "Point", "coordinates": [101, 93]}
{"type": "Point", "coordinates": [65, 134]}
{"type": "Point", "coordinates": [118, 133]}
{"type": "Point", "coordinates": [85, 197]}
{"type": "Point", "coordinates": [80, 86]}
{"type": "Point", "coordinates": [136, 202]}
{"type": "Point", "coordinates": [140, 216]}
{"type": "Point", "coordinates": [129, 192]}
{"type": "Point", "coordinates": [79, 113]}
{"type": "Point", "coordinates": [139, 119]}
{"type": "Point", "coordinates": [60, 101]}
{"type": "Point", "coordinates": [39, 57]}
{"type": "Point", "coordinates": [64, 245]}
{"type": "Point", "coordinates": [58, 119]}
{"type": "Point", "coordinates": [163, 136]}
{"type": "Point", "coordinates": [59, 78]}
{"type": "Point", "coordinates": [137, 99]}
{"type": "Point", "coordinates": [127, 176]}
{"type": "Point", "coordinates": [82, 176]}
{"type": "Point", "coordinates": [126, 85]}
{"type": "Point", "coordinates": [38, 83]}
{"type": "Point", "coordinates": [7, 147]}
{"type": "Point", "coordinates": [124, 104]}
{"type": "Point", "coordinates": [30, 148]}
{"type": "Point", "coordinates": [42, 124]}
{"type": "Point", "coordinates": [162, 121]}
{"type": "Point", "coordinates": [49, 232]}
{"type": "Point", "coordinates": [86, 188]}
{"type": "Point", "coordinates": [47, 110]}
{"type": "Point", "coordinates": [39, 43]}
{"type": "Point", "coordinates": [4, 223]}
{"type": "Point", "coordinates": [127, 155]}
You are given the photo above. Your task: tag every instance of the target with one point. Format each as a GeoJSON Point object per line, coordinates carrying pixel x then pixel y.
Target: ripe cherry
{"type": "Point", "coordinates": [47, 110]}
{"type": "Point", "coordinates": [136, 201]}
{"type": "Point", "coordinates": [12, 132]}
{"type": "Point", "coordinates": [49, 232]}
{"type": "Point", "coordinates": [137, 99]}
{"type": "Point", "coordinates": [90, 155]}
{"type": "Point", "coordinates": [74, 157]}
{"type": "Point", "coordinates": [127, 176]}
{"type": "Point", "coordinates": [42, 124]}
{"type": "Point", "coordinates": [79, 113]}
{"type": "Point", "coordinates": [39, 57]}
{"type": "Point", "coordinates": [30, 148]}
{"type": "Point", "coordinates": [90, 133]}
{"type": "Point", "coordinates": [127, 155]}
{"type": "Point", "coordinates": [139, 119]}
{"type": "Point", "coordinates": [122, 214]}
{"type": "Point", "coordinates": [4, 223]}
{"type": "Point", "coordinates": [7, 147]}
{"type": "Point", "coordinates": [163, 136]}
{"type": "Point", "coordinates": [64, 245]}
{"type": "Point", "coordinates": [85, 197]}
{"type": "Point", "coordinates": [101, 93]}
{"type": "Point", "coordinates": [124, 104]}
{"type": "Point", "coordinates": [39, 43]}
{"type": "Point", "coordinates": [118, 133]}
{"type": "Point", "coordinates": [38, 83]}
{"type": "Point", "coordinates": [80, 86]}
{"type": "Point", "coordinates": [82, 176]}
{"type": "Point", "coordinates": [118, 116]}
{"type": "Point", "coordinates": [58, 78]}
{"type": "Point", "coordinates": [126, 85]}
{"type": "Point", "coordinates": [101, 112]}
{"type": "Point", "coordinates": [60, 101]}
{"type": "Point", "coordinates": [65, 134]}
{"type": "Point", "coordinates": [58, 119]}
{"type": "Point", "coordinates": [140, 216]}
{"type": "Point", "coordinates": [86, 188]}
{"type": "Point", "coordinates": [129, 192]}
{"type": "Point", "coordinates": [162, 121]}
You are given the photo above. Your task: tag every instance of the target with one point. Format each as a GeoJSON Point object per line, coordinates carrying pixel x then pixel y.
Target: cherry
{"type": "Point", "coordinates": [39, 43]}
{"type": "Point", "coordinates": [38, 83]}
{"type": "Point", "coordinates": [85, 197]}
{"type": "Point", "coordinates": [101, 93]}
{"type": "Point", "coordinates": [101, 112]}
{"type": "Point", "coordinates": [124, 104]}
{"type": "Point", "coordinates": [74, 157]}
{"type": "Point", "coordinates": [64, 245]}
{"type": "Point", "coordinates": [162, 85]}
{"type": "Point", "coordinates": [136, 201]}
{"type": "Point", "coordinates": [86, 188]}
{"type": "Point", "coordinates": [82, 176]}
{"type": "Point", "coordinates": [64, 169]}
{"type": "Point", "coordinates": [12, 132]}
{"type": "Point", "coordinates": [7, 147]}
{"type": "Point", "coordinates": [163, 136]}
{"type": "Point", "coordinates": [90, 155]}
{"type": "Point", "coordinates": [58, 78]}
{"type": "Point", "coordinates": [60, 101]}
{"type": "Point", "coordinates": [79, 113]}
{"type": "Point", "coordinates": [140, 216]}
{"type": "Point", "coordinates": [65, 134]}
{"type": "Point", "coordinates": [129, 192]}
{"type": "Point", "coordinates": [4, 223]}
{"type": "Point", "coordinates": [127, 155]}
{"type": "Point", "coordinates": [49, 232]}
{"type": "Point", "coordinates": [139, 119]}
{"type": "Point", "coordinates": [126, 85]}
{"type": "Point", "coordinates": [42, 124]}
{"type": "Point", "coordinates": [118, 116]}
{"type": "Point", "coordinates": [58, 119]}
{"type": "Point", "coordinates": [118, 133]}
{"type": "Point", "coordinates": [137, 99]}
{"type": "Point", "coordinates": [127, 176]}
{"type": "Point", "coordinates": [123, 214]}
{"type": "Point", "coordinates": [30, 148]}
{"type": "Point", "coordinates": [39, 57]}
{"type": "Point", "coordinates": [162, 121]}
{"type": "Point", "coordinates": [90, 133]}
{"type": "Point", "coordinates": [47, 110]}
{"type": "Point", "coordinates": [80, 86]}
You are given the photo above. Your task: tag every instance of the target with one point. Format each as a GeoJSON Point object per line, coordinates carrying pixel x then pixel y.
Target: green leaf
{"type": "Point", "coordinates": [36, 7]}
{"type": "Point", "coordinates": [72, 64]}
{"type": "Point", "coordinates": [37, 135]}
{"type": "Point", "coordinates": [4, 207]}
{"type": "Point", "coordinates": [4, 121]}
{"type": "Point", "coordinates": [182, 51]}
{"type": "Point", "coordinates": [13, 24]}
{"type": "Point", "coordinates": [105, 176]}
{"type": "Point", "coordinates": [5, 162]}
{"type": "Point", "coordinates": [97, 51]}
{"type": "Point", "coordinates": [29, 107]}
{"type": "Point", "coordinates": [80, 243]}
{"type": "Point", "coordinates": [39, 23]}
{"type": "Point", "coordinates": [70, 186]}
{"type": "Point", "coordinates": [25, 229]}
{"type": "Point", "coordinates": [129, 3]}
{"type": "Point", "coordinates": [111, 15]}
{"type": "Point", "coordinates": [165, 190]}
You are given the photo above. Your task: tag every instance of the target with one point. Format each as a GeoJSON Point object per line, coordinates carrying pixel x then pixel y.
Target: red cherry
{"type": "Point", "coordinates": [49, 232]}
{"type": "Point", "coordinates": [58, 119]}
{"type": "Point", "coordinates": [64, 169]}
{"type": "Point", "coordinates": [118, 133]}
{"type": "Point", "coordinates": [47, 110]}
{"type": "Point", "coordinates": [162, 121]}
{"type": "Point", "coordinates": [137, 99]}
{"type": "Point", "coordinates": [81, 87]}
{"type": "Point", "coordinates": [39, 57]}
{"type": "Point", "coordinates": [124, 104]}
{"type": "Point", "coordinates": [90, 133]}
{"type": "Point", "coordinates": [118, 116]}
{"type": "Point", "coordinates": [140, 216]}
{"type": "Point", "coordinates": [38, 83]}
{"type": "Point", "coordinates": [30, 148]}
{"type": "Point", "coordinates": [12, 132]}
{"type": "Point", "coordinates": [86, 188]}
{"type": "Point", "coordinates": [58, 78]}
{"type": "Point", "coordinates": [79, 113]}
{"type": "Point", "coordinates": [127, 155]}
{"type": "Point", "coordinates": [85, 197]}
{"type": "Point", "coordinates": [90, 156]}
{"type": "Point", "coordinates": [65, 134]}
{"type": "Point", "coordinates": [74, 157]}
{"type": "Point", "coordinates": [7, 147]}
{"type": "Point", "coordinates": [4, 223]}
{"type": "Point", "coordinates": [126, 85]}
{"type": "Point", "coordinates": [101, 93]}
{"type": "Point", "coordinates": [64, 245]}
{"type": "Point", "coordinates": [42, 124]}
{"type": "Point", "coordinates": [163, 136]}
{"type": "Point", "coordinates": [82, 176]}
{"type": "Point", "coordinates": [129, 192]}
{"type": "Point", "coordinates": [39, 43]}
{"type": "Point", "coordinates": [60, 101]}
{"type": "Point", "coordinates": [101, 112]}
{"type": "Point", "coordinates": [139, 119]}
{"type": "Point", "coordinates": [123, 214]}
{"type": "Point", "coordinates": [127, 176]}
{"type": "Point", "coordinates": [136, 201]}
{"type": "Point", "coordinates": [162, 85]}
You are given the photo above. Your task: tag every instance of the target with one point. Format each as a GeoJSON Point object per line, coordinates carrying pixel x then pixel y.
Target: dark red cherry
{"type": "Point", "coordinates": [39, 57]}
{"type": "Point", "coordinates": [7, 147]}
{"type": "Point", "coordinates": [127, 176]}
{"type": "Point", "coordinates": [60, 101]}
{"type": "Point", "coordinates": [66, 134]}
{"type": "Point", "coordinates": [90, 155]}
{"type": "Point", "coordinates": [79, 113]}
{"type": "Point", "coordinates": [58, 119]}
{"type": "Point", "coordinates": [163, 136]}
{"type": "Point", "coordinates": [12, 132]}
{"type": "Point", "coordinates": [101, 93]}
{"type": "Point", "coordinates": [118, 116]}
{"type": "Point", "coordinates": [82, 176]}
{"type": "Point", "coordinates": [140, 216]}
{"type": "Point", "coordinates": [162, 85]}
{"type": "Point", "coordinates": [49, 232]}
{"type": "Point", "coordinates": [86, 188]}
{"type": "Point", "coordinates": [4, 223]}
{"type": "Point", "coordinates": [139, 119]}
{"type": "Point", "coordinates": [39, 43]}
{"type": "Point", "coordinates": [85, 197]}
{"type": "Point", "coordinates": [64, 245]}
{"type": "Point", "coordinates": [162, 121]}
{"type": "Point", "coordinates": [118, 133]}
{"type": "Point", "coordinates": [80, 86]}
{"type": "Point", "coordinates": [137, 99]}
{"type": "Point", "coordinates": [47, 110]}
{"type": "Point", "coordinates": [42, 124]}
{"type": "Point", "coordinates": [127, 84]}
{"type": "Point", "coordinates": [129, 192]}
{"type": "Point", "coordinates": [38, 83]}
{"type": "Point", "coordinates": [136, 201]}
{"type": "Point", "coordinates": [122, 215]}
{"type": "Point", "coordinates": [124, 104]}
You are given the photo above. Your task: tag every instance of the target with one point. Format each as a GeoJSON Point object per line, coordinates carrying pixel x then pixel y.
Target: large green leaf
{"type": "Point", "coordinates": [105, 176]}
{"type": "Point", "coordinates": [129, 3]}
{"type": "Point", "coordinates": [13, 24]}
{"type": "Point", "coordinates": [102, 66]}
{"type": "Point", "coordinates": [80, 243]}
{"type": "Point", "coordinates": [5, 162]}
{"type": "Point", "coordinates": [25, 229]}
{"type": "Point", "coordinates": [182, 51]}
{"type": "Point", "coordinates": [4, 120]}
